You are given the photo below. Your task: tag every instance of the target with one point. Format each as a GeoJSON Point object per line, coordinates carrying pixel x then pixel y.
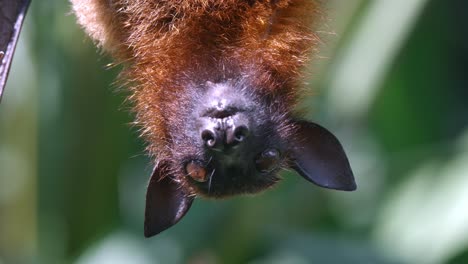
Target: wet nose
{"type": "Point", "coordinates": [224, 133]}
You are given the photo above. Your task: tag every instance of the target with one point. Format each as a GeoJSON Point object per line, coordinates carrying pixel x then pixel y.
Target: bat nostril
{"type": "Point", "coordinates": [236, 136]}
{"type": "Point", "coordinates": [240, 133]}
{"type": "Point", "coordinates": [209, 137]}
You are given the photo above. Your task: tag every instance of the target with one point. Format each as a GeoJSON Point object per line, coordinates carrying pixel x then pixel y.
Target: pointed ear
{"type": "Point", "coordinates": [166, 201]}
{"type": "Point", "coordinates": [318, 156]}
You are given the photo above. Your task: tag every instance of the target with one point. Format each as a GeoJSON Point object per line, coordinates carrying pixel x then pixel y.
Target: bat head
{"type": "Point", "coordinates": [237, 141]}
{"type": "Point", "coordinates": [234, 138]}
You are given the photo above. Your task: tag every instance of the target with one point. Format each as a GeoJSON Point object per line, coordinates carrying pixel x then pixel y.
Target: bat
{"type": "Point", "coordinates": [214, 87]}
{"type": "Point", "coordinates": [12, 14]}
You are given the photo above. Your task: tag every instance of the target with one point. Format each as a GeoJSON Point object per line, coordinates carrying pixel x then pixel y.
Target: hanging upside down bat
{"type": "Point", "coordinates": [214, 86]}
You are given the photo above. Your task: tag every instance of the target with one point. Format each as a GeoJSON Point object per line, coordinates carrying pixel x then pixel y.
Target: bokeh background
{"type": "Point", "coordinates": [391, 82]}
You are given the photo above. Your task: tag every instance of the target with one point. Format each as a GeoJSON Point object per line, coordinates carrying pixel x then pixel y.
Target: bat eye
{"type": "Point", "coordinates": [196, 171]}
{"type": "Point", "coordinates": [268, 160]}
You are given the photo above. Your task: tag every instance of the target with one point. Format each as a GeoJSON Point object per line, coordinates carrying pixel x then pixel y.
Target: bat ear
{"type": "Point", "coordinates": [166, 201]}
{"type": "Point", "coordinates": [318, 156]}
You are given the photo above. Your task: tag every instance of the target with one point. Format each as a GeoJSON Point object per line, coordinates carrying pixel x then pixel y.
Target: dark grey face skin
{"type": "Point", "coordinates": [230, 140]}
{"type": "Point", "coordinates": [235, 129]}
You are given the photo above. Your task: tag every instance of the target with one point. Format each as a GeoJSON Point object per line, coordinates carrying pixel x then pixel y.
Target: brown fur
{"type": "Point", "coordinates": [166, 45]}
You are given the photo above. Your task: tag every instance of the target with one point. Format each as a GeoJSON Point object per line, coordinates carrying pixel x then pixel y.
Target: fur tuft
{"type": "Point", "coordinates": [96, 17]}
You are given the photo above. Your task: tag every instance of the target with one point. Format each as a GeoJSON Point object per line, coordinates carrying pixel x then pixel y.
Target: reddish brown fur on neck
{"type": "Point", "coordinates": [170, 47]}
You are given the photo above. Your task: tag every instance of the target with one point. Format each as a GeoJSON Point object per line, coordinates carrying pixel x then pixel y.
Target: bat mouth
{"type": "Point", "coordinates": [221, 113]}
{"type": "Point", "coordinates": [223, 100]}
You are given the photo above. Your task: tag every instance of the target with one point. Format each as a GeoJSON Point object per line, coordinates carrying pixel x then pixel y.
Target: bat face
{"type": "Point", "coordinates": [235, 140]}
{"type": "Point", "coordinates": [232, 137]}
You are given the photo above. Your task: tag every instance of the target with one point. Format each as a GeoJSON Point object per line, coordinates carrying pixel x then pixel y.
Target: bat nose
{"type": "Point", "coordinates": [234, 136]}
{"type": "Point", "coordinates": [219, 134]}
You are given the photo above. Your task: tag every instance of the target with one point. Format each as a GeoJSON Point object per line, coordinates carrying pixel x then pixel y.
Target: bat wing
{"type": "Point", "coordinates": [12, 14]}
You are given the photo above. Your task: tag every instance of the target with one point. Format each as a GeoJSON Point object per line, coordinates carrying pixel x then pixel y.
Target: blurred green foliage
{"type": "Point", "coordinates": [405, 133]}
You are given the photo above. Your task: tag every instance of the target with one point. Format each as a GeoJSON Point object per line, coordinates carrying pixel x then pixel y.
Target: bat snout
{"type": "Point", "coordinates": [224, 133]}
